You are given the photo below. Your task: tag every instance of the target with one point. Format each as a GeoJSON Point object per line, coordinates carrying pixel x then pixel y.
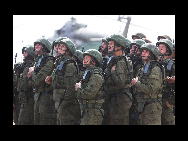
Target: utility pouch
{"type": "Point", "coordinates": [141, 103]}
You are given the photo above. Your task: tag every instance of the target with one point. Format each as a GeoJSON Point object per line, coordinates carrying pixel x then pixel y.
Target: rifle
{"type": "Point", "coordinates": [82, 48]}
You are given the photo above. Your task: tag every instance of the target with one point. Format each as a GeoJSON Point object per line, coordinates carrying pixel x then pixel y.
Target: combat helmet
{"type": "Point", "coordinates": [120, 39]}
{"type": "Point", "coordinates": [164, 37]}
{"type": "Point", "coordinates": [168, 44]}
{"type": "Point", "coordinates": [138, 42]}
{"type": "Point", "coordinates": [152, 48]}
{"type": "Point", "coordinates": [69, 44]}
{"type": "Point", "coordinates": [139, 35]}
{"type": "Point", "coordinates": [29, 50]}
{"type": "Point", "coordinates": [79, 55]}
{"type": "Point", "coordinates": [45, 42]}
{"type": "Point", "coordinates": [95, 54]}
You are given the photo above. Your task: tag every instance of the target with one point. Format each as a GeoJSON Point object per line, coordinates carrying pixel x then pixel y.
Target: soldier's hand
{"type": "Point", "coordinates": [167, 104]}
{"type": "Point", "coordinates": [77, 85]}
{"type": "Point", "coordinates": [31, 69]}
{"type": "Point", "coordinates": [170, 79]}
{"type": "Point", "coordinates": [48, 80]}
{"type": "Point", "coordinates": [113, 68]}
{"type": "Point", "coordinates": [134, 80]}
{"type": "Point", "coordinates": [29, 74]}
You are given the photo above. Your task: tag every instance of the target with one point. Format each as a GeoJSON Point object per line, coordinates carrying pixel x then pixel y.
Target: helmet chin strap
{"type": "Point", "coordinates": [111, 52]}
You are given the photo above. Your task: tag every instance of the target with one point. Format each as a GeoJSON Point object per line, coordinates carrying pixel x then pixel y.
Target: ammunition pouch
{"type": "Point", "coordinates": [87, 104]}
{"type": "Point", "coordinates": [58, 96]}
{"type": "Point", "coordinates": [22, 97]}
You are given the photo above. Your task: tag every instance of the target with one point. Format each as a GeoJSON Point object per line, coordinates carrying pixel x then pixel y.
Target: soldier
{"type": "Point", "coordinates": [26, 96]}
{"type": "Point", "coordinates": [138, 36]}
{"type": "Point", "coordinates": [63, 79]}
{"type": "Point", "coordinates": [137, 64]}
{"type": "Point", "coordinates": [118, 76]}
{"type": "Point", "coordinates": [18, 69]}
{"type": "Point", "coordinates": [168, 99]}
{"type": "Point", "coordinates": [103, 49]}
{"type": "Point", "coordinates": [78, 57]}
{"type": "Point", "coordinates": [89, 90]}
{"type": "Point", "coordinates": [43, 103]}
{"type": "Point", "coordinates": [148, 86]}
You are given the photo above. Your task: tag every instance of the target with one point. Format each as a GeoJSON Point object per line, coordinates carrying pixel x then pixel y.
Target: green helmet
{"type": "Point", "coordinates": [168, 44]}
{"type": "Point", "coordinates": [45, 42]}
{"type": "Point", "coordinates": [120, 39]}
{"type": "Point", "coordinates": [79, 55]}
{"type": "Point", "coordinates": [94, 54]}
{"type": "Point", "coordinates": [138, 42]}
{"type": "Point", "coordinates": [139, 35]}
{"type": "Point", "coordinates": [57, 40]}
{"type": "Point", "coordinates": [69, 44]}
{"type": "Point", "coordinates": [152, 48]}
{"type": "Point", "coordinates": [105, 39]}
{"type": "Point", "coordinates": [164, 37]}
{"type": "Point", "coordinates": [29, 49]}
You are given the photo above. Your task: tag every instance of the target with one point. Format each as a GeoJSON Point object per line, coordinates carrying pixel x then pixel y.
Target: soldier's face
{"type": "Point", "coordinates": [61, 48]}
{"type": "Point", "coordinates": [162, 48]}
{"type": "Point", "coordinates": [111, 45]}
{"type": "Point", "coordinates": [134, 48]}
{"type": "Point", "coordinates": [25, 54]}
{"type": "Point", "coordinates": [38, 48]}
{"type": "Point", "coordinates": [145, 54]}
{"type": "Point", "coordinates": [86, 60]}
{"type": "Point", "coordinates": [103, 45]}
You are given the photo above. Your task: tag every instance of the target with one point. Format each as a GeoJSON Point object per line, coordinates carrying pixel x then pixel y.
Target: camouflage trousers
{"type": "Point", "coordinates": [17, 109]}
{"type": "Point", "coordinates": [119, 109]}
{"type": "Point", "coordinates": [151, 114]}
{"type": "Point", "coordinates": [91, 116]}
{"type": "Point", "coordinates": [44, 107]}
{"type": "Point", "coordinates": [26, 116]}
{"type": "Point", "coordinates": [167, 116]}
{"type": "Point", "coordinates": [68, 112]}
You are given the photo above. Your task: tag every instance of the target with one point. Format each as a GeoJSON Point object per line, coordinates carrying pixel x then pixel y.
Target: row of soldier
{"type": "Point", "coordinates": [122, 83]}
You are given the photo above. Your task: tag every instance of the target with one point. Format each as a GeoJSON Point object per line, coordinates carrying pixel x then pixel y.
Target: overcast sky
{"type": "Point", "coordinates": [28, 28]}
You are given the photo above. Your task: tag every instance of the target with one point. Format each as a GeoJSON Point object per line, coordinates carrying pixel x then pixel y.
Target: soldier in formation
{"type": "Point", "coordinates": [122, 83]}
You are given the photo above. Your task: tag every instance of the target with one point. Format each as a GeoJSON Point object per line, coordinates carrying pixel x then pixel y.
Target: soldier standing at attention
{"type": "Point", "coordinates": [165, 50]}
{"type": "Point", "coordinates": [89, 90]}
{"type": "Point", "coordinates": [26, 96]}
{"type": "Point", "coordinates": [148, 86]}
{"type": "Point", "coordinates": [63, 79]}
{"type": "Point", "coordinates": [118, 76]}
{"type": "Point", "coordinates": [43, 102]}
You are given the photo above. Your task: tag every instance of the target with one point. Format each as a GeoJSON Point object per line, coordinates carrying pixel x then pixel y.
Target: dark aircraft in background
{"type": "Point", "coordinates": [79, 34]}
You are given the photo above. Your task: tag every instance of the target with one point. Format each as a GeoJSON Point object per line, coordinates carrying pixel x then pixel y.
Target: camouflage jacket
{"type": "Point", "coordinates": [65, 76]}
{"type": "Point", "coordinates": [91, 83]}
{"type": "Point", "coordinates": [24, 81]}
{"type": "Point", "coordinates": [44, 65]}
{"type": "Point", "coordinates": [121, 75]}
{"type": "Point", "coordinates": [169, 89]}
{"type": "Point", "coordinates": [150, 79]}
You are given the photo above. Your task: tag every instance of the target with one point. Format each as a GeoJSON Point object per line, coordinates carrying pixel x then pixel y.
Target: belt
{"type": "Point", "coordinates": [93, 101]}
{"type": "Point", "coordinates": [117, 87]}
{"type": "Point", "coordinates": [151, 101]}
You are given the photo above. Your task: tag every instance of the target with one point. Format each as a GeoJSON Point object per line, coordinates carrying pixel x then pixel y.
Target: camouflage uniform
{"type": "Point", "coordinates": [18, 69]}
{"type": "Point", "coordinates": [167, 117]}
{"type": "Point", "coordinates": [43, 103]}
{"type": "Point", "coordinates": [137, 64]}
{"type": "Point", "coordinates": [148, 90]}
{"type": "Point", "coordinates": [26, 96]}
{"type": "Point", "coordinates": [90, 92]}
{"type": "Point", "coordinates": [64, 77]}
{"type": "Point", "coordinates": [117, 84]}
